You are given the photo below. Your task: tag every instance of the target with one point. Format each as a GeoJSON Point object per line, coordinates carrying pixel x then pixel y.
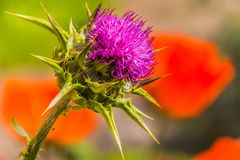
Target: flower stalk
{"type": "Point", "coordinates": [59, 106]}
{"type": "Point", "coordinates": [34, 145]}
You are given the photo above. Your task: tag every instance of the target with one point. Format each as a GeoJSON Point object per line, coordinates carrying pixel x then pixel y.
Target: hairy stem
{"type": "Point", "coordinates": [34, 145]}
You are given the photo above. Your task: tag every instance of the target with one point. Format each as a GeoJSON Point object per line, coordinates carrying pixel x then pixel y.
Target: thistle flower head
{"type": "Point", "coordinates": [122, 43]}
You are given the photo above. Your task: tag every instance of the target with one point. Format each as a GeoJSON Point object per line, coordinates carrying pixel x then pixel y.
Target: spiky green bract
{"type": "Point", "coordinates": [89, 84]}
{"type": "Point", "coordinates": [19, 129]}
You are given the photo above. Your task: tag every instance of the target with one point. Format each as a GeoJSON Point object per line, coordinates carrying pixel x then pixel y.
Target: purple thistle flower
{"type": "Point", "coordinates": [123, 44]}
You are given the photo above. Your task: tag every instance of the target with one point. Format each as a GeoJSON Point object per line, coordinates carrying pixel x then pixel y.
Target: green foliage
{"type": "Point", "coordinates": [99, 87]}
{"type": "Point", "coordinates": [127, 106]}
{"type": "Point", "coordinates": [52, 63]}
{"type": "Point", "coordinates": [146, 95]}
{"type": "Point", "coordinates": [107, 113]}
{"type": "Point", "coordinates": [38, 21]}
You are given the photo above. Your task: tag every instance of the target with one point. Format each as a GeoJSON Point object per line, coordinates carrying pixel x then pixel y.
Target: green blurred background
{"type": "Point", "coordinates": [209, 19]}
{"type": "Point", "coordinates": [19, 39]}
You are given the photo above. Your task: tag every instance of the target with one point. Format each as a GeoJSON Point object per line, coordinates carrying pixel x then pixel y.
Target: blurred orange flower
{"type": "Point", "coordinates": [225, 148]}
{"type": "Point", "coordinates": [197, 74]}
{"type": "Point", "coordinates": [25, 100]}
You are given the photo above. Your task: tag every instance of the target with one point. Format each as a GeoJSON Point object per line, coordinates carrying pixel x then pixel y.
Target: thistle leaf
{"type": "Point", "coordinates": [88, 10]}
{"type": "Point", "coordinates": [81, 102]}
{"type": "Point", "coordinates": [71, 27]}
{"type": "Point", "coordinates": [74, 106]}
{"type": "Point", "coordinates": [83, 52]}
{"type": "Point", "coordinates": [82, 55]}
{"type": "Point", "coordinates": [98, 87]}
{"type": "Point", "coordinates": [127, 87]}
{"type": "Point", "coordinates": [96, 11]}
{"type": "Point", "coordinates": [130, 109]}
{"type": "Point", "coordinates": [71, 36]}
{"type": "Point", "coordinates": [73, 33]}
{"type": "Point", "coordinates": [107, 113]}
{"type": "Point", "coordinates": [52, 63]}
{"type": "Point", "coordinates": [93, 15]}
{"type": "Point", "coordinates": [146, 95]}
{"type": "Point", "coordinates": [66, 89]}
{"type": "Point", "coordinates": [101, 67]}
{"type": "Point", "coordinates": [19, 129]}
{"type": "Point", "coordinates": [82, 33]}
{"type": "Point", "coordinates": [151, 80]}
{"type": "Point", "coordinates": [139, 112]}
{"type": "Point", "coordinates": [38, 21]}
{"type": "Point", "coordinates": [148, 81]}
{"type": "Point", "coordinates": [59, 32]}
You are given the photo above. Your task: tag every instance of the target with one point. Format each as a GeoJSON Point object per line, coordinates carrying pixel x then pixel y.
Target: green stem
{"type": "Point", "coordinates": [34, 145]}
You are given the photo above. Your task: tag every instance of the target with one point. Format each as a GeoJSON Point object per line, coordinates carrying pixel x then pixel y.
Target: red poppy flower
{"type": "Point", "coordinates": [197, 74]}
{"type": "Point", "coordinates": [25, 100]}
{"type": "Point", "coordinates": [225, 148]}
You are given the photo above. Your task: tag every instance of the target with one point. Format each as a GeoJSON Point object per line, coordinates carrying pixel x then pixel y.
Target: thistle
{"type": "Point", "coordinates": [122, 44]}
{"type": "Point", "coordinates": [96, 66]}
